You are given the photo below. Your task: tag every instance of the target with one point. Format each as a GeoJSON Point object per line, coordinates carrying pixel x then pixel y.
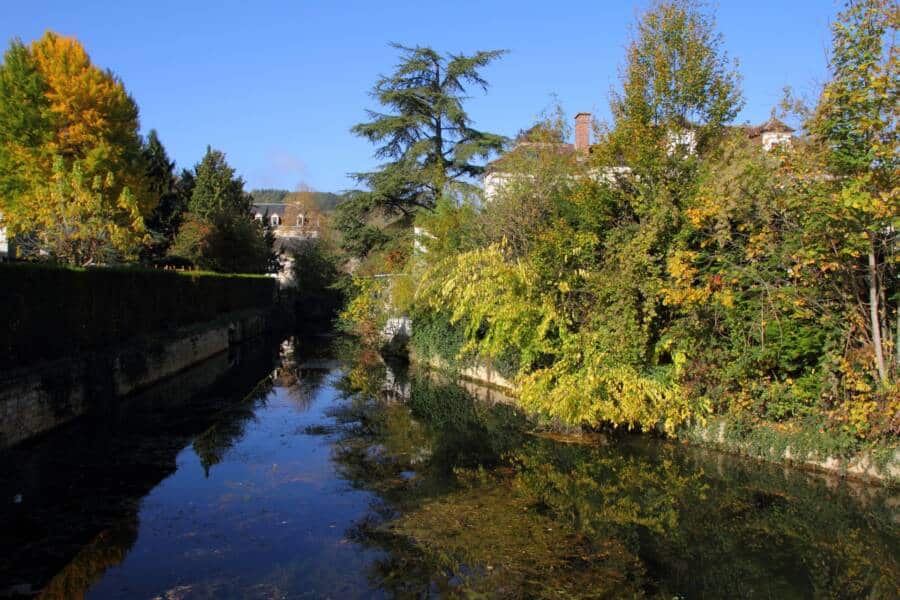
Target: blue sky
{"type": "Point", "coordinates": [277, 85]}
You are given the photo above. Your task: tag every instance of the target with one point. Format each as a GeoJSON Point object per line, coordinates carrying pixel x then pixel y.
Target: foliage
{"type": "Point", "coordinates": [218, 232]}
{"type": "Point", "coordinates": [427, 139]}
{"type": "Point", "coordinates": [855, 125]}
{"type": "Point", "coordinates": [224, 244]}
{"type": "Point", "coordinates": [58, 109]}
{"type": "Point", "coordinates": [655, 280]}
{"type": "Point", "coordinates": [53, 311]}
{"type": "Point", "coordinates": [217, 190]}
{"type": "Point", "coordinates": [81, 222]}
{"type": "Point", "coordinates": [318, 279]}
{"type": "Point", "coordinates": [428, 135]}
{"type": "Point", "coordinates": [173, 193]}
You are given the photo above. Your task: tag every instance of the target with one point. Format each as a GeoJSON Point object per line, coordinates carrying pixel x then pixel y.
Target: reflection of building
{"type": "Point", "coordinates": [4, 241]}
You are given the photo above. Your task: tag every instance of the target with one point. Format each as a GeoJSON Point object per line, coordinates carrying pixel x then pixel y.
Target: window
{"type": "Point", "coordinates": [770, 139]}
{"type": "Point", "coordinates": [275, 221]}
{"type": "Point", "coordinates": [301, 220]}
{"type": "Point", "coordinates": [258, 217]}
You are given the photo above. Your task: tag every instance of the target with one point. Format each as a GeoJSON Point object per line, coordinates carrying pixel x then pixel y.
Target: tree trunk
{"type": "Point", "coordinates": [874, 311]}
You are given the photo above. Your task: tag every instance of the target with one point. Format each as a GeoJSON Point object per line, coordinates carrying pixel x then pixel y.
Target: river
{"type": "Point", "coordinates": [285, 473]}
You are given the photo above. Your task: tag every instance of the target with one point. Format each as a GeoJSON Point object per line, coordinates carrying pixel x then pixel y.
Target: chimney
{"type": "Point", "coordinates": [582, 132]}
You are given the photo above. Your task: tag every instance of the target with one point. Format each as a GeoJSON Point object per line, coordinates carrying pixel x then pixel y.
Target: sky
{"type": "Point", "coordinates": [278, 85]}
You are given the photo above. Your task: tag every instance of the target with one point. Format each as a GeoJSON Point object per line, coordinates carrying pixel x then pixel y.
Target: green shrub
{"type": "Point", "coordinates": [51, 311]}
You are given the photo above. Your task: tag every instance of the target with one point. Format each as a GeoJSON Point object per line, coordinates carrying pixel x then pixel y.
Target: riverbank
{"type": "Point", "coordinates": [803, 449]}
{"type": "Point", "coordinates": [40, 397]}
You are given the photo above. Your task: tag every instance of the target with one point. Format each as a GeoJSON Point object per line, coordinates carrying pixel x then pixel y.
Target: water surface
{"type": "Point", "coordinates": [283, 474]}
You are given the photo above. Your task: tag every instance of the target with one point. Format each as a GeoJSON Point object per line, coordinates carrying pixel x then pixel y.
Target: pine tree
{"type": "Point", "coordinates": [426, 135]}
{"type": "Point", "coordinates": [217, 232]}
{"type": "Point", "coordinates": [217, 190]}
{"type": "Point", "coordinates": [165, 219]}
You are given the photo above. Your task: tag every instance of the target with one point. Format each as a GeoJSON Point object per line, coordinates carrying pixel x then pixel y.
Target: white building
{"type": "Point", "coordinates": [771, 134]}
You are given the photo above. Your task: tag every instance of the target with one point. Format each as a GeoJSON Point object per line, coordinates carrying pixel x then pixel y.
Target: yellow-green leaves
{"type": "Point", "coordinates": [82, 220]}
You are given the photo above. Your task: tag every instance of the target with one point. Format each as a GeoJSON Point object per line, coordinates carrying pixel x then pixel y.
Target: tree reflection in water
{"type": "Point", "coordinates": [452, 496]}
{"type": "Point", "coordinates": [469, 502]}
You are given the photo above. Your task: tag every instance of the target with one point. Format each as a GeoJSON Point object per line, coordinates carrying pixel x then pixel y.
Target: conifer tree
{"type": "Point", "coordinates": [165, 219]}
{"type": "Point", "coordinates": [425, 135]}
{"type": "Point", "coordinates": [217, 190]}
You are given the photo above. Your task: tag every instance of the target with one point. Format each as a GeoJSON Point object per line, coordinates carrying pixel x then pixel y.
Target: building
{"type": "Point", "coordinates": [773, 133]}
{"type": "Point", "coordinates": [295, 220]}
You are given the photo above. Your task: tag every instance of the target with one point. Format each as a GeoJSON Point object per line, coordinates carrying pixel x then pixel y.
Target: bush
{"type": "Point", "coordinates": [225, 244]}
{"type": "Point", "coordinates": [52, 311]}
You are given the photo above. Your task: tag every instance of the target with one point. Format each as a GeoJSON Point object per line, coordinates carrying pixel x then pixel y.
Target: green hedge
{"type": "Point", "coordinates": [50, 311]}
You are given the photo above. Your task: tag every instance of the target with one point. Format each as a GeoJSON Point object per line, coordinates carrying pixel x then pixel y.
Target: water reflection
{"type": "Point", "coordinates": [471, 503]}
{"type": "Point", "coordinates": [320, 479]}
{"type": "Point", "coordinates": [76, 492]}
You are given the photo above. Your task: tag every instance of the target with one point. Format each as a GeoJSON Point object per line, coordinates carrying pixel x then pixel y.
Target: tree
{"type": "Point", "coordinates": [57, 105]}
{"type": "Point", "coordinates": [25, 125]}
{"type": "Point", "coordinates": [856, 124]}
{"type": "Point", "coordinates": [217, 190]}
{"type": "Point", "coordinates": [427, 136]}
{"type": "Point", "coordinates": [82, 221]}
{"type": "Point", "coordinates": [94, 118]}
{"type": "Point", "coordinates": [677, 80]}
{"type": "Point", "coordinates": [218, 232]}
{"type": "Point", "coordinates": [165, 219]}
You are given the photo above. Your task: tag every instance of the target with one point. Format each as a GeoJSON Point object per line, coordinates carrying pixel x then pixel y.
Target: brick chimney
{"type": "Point", "coordinates": [582, 132]}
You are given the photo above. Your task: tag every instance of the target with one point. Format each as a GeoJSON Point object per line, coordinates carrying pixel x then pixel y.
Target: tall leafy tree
{"type": "Point", "coordinates": [425, 134]}
{"type": "Point", "coordinates": [856, 125]}
{"type": "Point", "coordinates": [25, 124]}
{"type": "Point", "coordinates": [94, 118]}
{"type": "Point", "coordinates": [677, 81]}
{"type": "Point", "coordinates": [56, 105]}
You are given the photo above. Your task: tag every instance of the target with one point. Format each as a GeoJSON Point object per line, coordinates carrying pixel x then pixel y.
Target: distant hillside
{"type": "Point", "coordinates": [326, 201]}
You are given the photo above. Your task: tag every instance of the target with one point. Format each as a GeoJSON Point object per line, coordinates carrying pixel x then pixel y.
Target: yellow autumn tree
{"type": "Point", "coordinates": [81, 119]}
{"type": "Point", "coordinates": [84, 220]}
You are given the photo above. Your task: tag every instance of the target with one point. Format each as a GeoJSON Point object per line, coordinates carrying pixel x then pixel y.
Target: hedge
{"type": "Point", "coordinates": [50, 311]}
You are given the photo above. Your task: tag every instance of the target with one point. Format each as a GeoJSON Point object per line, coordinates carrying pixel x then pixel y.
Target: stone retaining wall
{"type": "Point", "coordinates": [41, 397]}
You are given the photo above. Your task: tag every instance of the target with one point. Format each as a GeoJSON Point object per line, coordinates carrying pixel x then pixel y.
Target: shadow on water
{"type": "Point", "coordinates": [358, 479]}
{"type": "Point", "coordinates": [69, 500]}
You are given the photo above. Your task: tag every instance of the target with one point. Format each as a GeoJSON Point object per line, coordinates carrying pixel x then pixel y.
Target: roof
{"type": "Point", "coordinates": [772, 125]}
{"type": "Point", "coordinates": [271, 209]}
